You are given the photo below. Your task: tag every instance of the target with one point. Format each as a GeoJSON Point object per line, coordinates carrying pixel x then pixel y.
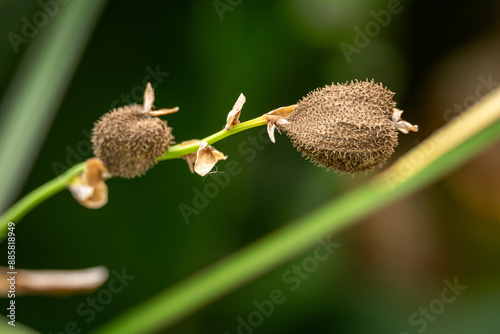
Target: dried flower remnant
{"type": "Point", "coordinates": [349, 127]}
{"type": "Point", "coordinates": [89, 188]}
{"type": "Point", "coordinates": [277, 117]}
{"type": "Point", "coordinates": [234, 115]}
{"type": "Point", "coordinates": [206, 158]}
{"type": "Point", "coordinates": [191, 157]}
{"type": "Point", "coordinates": [129, 139]}
{"type": "Point", "coordinates": [401, 125]}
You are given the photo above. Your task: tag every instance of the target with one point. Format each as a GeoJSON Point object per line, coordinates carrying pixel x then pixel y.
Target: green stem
{"type": "Point", "coordinates": [49, 189]}
{"type": "Point", "coordinates": [180, 150]}
{"type": "Point", "coordinates": [37, 196]}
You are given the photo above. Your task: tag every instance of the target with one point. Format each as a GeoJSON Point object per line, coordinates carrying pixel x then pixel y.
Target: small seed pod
{"type": "Point", "coordinates": [348, 127]}
{"type": "Point", "coordinates": [129, 139]}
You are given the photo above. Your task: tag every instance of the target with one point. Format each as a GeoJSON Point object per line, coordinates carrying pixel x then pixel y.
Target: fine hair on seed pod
{"type": "Point", "coordinates": [128, 140]}
{"type": "Point", "coordinates": [346, 127]}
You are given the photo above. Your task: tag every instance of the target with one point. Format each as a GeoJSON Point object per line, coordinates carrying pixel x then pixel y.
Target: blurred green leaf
{"type": "Point", "coordinates": [17, 329]}
{"type": "Point", "coordinates": [38, 88]}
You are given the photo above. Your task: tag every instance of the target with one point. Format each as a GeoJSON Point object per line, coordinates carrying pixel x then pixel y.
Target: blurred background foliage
{"type": "Point", "coordinates": [433, 55]}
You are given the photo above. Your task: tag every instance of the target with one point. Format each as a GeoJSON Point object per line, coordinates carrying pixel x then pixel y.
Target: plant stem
{"type": "Point", "coordinates": [37, 196]}
{"type": "Point", "coordinates": [49, 189]}
{"type": "Point", "coordinates": [180, 150]}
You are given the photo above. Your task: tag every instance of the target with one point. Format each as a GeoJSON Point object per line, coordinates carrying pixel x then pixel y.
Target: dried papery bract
{"type": "Point", "coordinates": [191, 157]}
{"type": "Point", "coordinates": [206, 158]}
{"type": "Point", "coordinates": [234, 115]}
{"type": "Point", "coordinates": [349, 127]}
{"type": "Point", "coordinates": [277, 117]}
{"type": "Point", "coordinates": [401, 125]}
{"type": "Point", "coordinates": [129, 139]}
{"type": "Point", "coordinates": [89, 188]}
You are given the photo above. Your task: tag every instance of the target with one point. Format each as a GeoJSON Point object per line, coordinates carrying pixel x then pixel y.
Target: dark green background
{"type": "Point", "coordinates": [274, 52]}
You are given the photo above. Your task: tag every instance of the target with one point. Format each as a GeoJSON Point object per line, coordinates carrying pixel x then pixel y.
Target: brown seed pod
{"type": "Point", "coordinates": [128, 140]}
{"type": "Point", "coordinates": [349, 127]}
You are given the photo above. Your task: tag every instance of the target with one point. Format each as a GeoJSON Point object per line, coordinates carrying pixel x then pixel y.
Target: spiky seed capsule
{"type": "Point", "coordinates": [128, 140]}
{"type": "Point", "coordinates": [347, 127]}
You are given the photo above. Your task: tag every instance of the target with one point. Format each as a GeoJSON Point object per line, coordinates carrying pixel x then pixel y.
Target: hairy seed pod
{"type": "Point", "coordinates": [128, 140]}
{"type": "Point", "coordinates": [346, 127]}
